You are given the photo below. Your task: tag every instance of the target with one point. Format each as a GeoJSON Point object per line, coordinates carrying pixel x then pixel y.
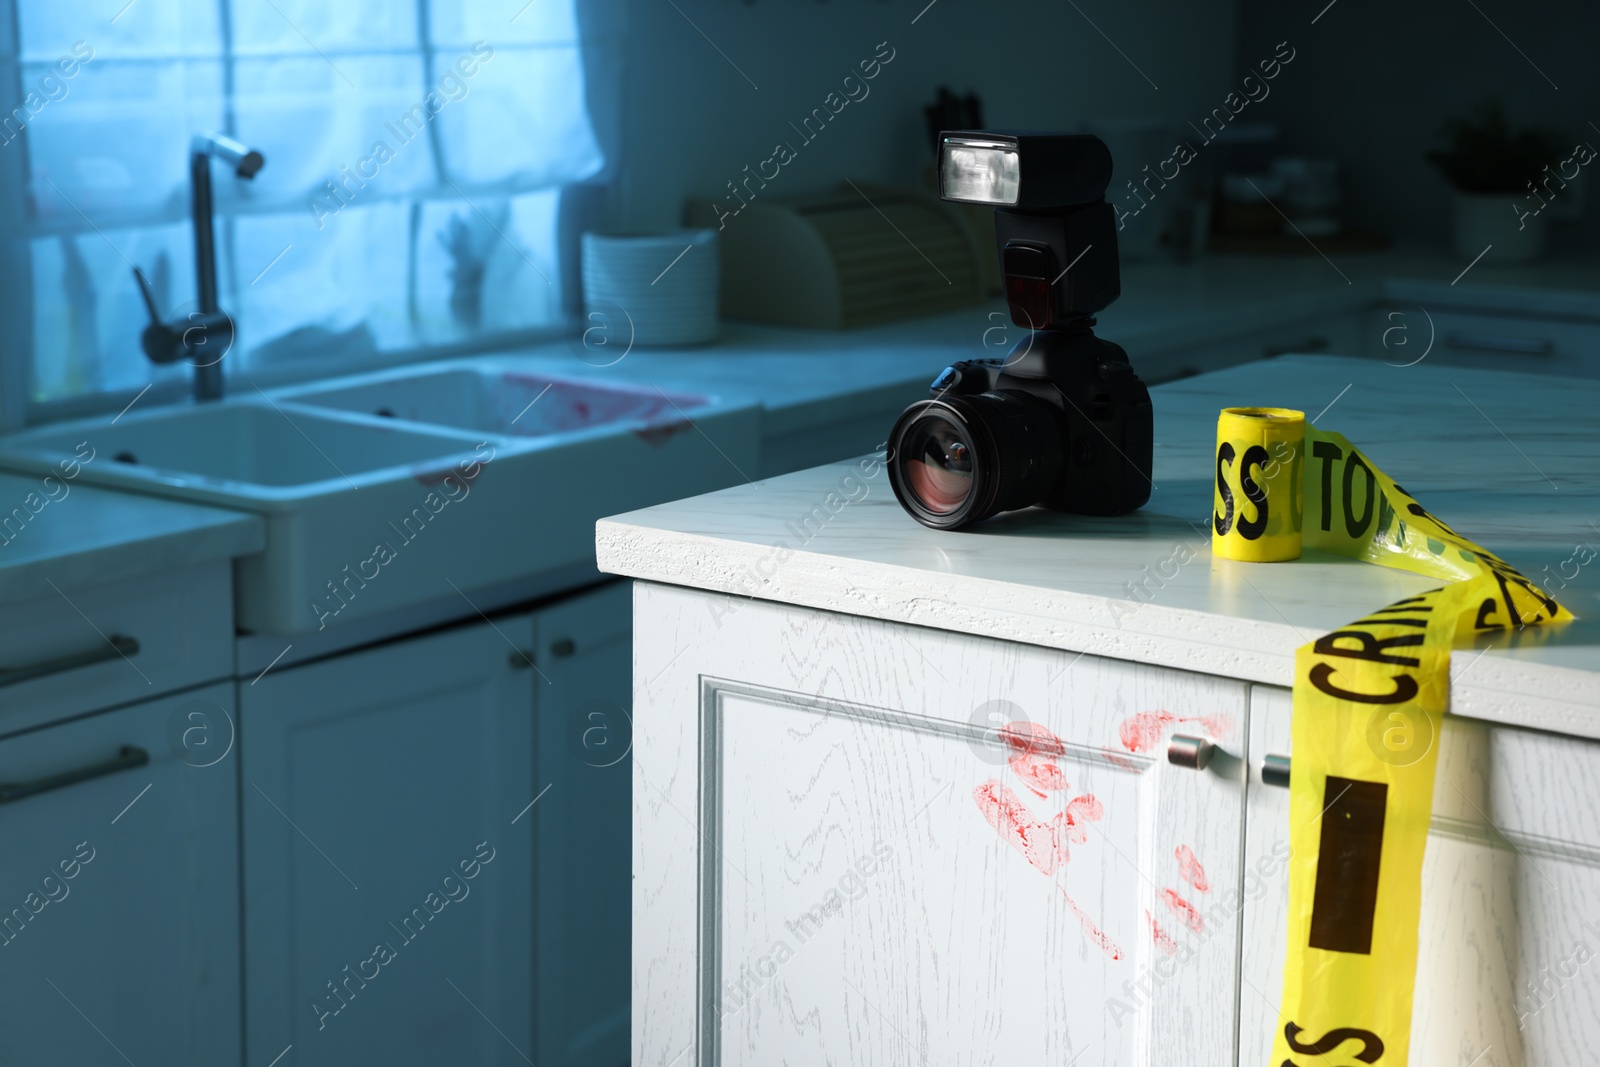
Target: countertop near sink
{"type": "Point", "coordinates": [808, 379]}
{"type": "Point", "coordinates": [1145, 588]}
{"type": "Point", "coordinates": [82, 535]}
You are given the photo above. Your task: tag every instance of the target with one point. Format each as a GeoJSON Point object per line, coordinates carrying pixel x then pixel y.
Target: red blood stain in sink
{"type": "Point", "coordinates": [1036, 749]}
{"type": "Point", "coordinates": [1190, 871]}
{"type": "Point", "coordinates": [1162, 939]}
{"type": "Point", "coordinates": [660, 433]}
{"type": "Point", "coordinates": [1183, 910]}
{"type": "Point", "coordinates": [432, 476]}
{"type": "Point", "coordinates": [1091, 931]}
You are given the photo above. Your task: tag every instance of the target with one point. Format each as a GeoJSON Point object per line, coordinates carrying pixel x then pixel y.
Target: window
{"type": "Point", "coordinates": [416, 157]}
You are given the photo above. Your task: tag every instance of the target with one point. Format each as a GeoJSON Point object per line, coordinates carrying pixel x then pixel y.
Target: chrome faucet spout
{"type": "Point", "coordinates": [204, 336]}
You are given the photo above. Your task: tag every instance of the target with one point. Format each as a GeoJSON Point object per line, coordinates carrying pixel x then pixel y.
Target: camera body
{"type": "Point", "coordinates": [1067, 422]}
{"type": "Point", "coordinates": [1062, 421]}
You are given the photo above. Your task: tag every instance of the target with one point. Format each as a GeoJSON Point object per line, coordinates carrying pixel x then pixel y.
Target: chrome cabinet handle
{"type": "Point", "coordinates": [1275, 771]}
{"type": "Point", "coordinates": [1188, 751]}
{"type": "Point", "coordinates": [1495, 342]}
{"type": "Point", "coordinates": [127, 757]}
{"type": "Point", "coordinates": [116, 645]}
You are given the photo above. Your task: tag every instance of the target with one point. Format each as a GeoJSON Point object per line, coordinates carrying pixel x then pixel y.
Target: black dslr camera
{"type": "Point", "coordinates": [1062, 421]}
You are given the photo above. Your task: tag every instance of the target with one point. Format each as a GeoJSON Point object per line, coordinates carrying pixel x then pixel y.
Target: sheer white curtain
{"type": "Point", "coordinates": [415, 155]}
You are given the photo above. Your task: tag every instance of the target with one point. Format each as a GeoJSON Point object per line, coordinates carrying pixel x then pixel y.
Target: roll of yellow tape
{"type": "Point", "coordinates": [1257, 503]}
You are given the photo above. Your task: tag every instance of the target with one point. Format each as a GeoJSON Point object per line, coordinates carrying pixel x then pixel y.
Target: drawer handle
{"type": "Point", "coordinates": [116, 645]}
{"type": "Point", "coordinates": [1496, 342]}
{"type": "Point", "coordinates": [127, 758]}
{"type": "Point", "coordinates": [1191, 752]}
{"type": "Point", "coordinates": [1275, 771]}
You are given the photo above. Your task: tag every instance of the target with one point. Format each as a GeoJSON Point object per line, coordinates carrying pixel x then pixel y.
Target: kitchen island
{"type": "Point", "coordinates": [835, 860]}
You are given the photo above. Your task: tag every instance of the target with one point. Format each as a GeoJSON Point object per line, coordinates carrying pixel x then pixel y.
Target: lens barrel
{"type": "Point", "coordinates": [958, 460]}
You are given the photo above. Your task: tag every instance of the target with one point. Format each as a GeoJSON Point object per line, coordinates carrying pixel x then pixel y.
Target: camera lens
{"type": "Point", "coordinates": [935, 458]}
{"type": "Point", "coordinates": [961, 459]}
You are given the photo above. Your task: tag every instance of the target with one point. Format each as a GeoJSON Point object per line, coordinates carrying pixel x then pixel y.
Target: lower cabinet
{"type": "Point", "coordinates": [436, 846]}
{"type": "Point", "coordinates": [1508, 968]}
{"type": "Point", "coordinates": [119, 887]}
{"type": "Point", "coordinates": [840, 859]}
{"type": "Point", "coordinates": [583, 883]}
{"type": "Point", "coordinates": [388, 855]}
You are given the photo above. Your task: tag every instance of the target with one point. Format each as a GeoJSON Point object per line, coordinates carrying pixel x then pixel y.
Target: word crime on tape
{"type": "Point", "coordinates": [1369, 700]}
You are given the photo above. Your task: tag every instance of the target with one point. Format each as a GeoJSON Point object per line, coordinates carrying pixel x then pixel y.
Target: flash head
{"type": "Point", "coordinates": [1024, 170]}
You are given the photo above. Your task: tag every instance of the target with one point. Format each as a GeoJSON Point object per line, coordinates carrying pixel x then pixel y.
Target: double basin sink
{"type": "Point", "coordinates": [393, 489]}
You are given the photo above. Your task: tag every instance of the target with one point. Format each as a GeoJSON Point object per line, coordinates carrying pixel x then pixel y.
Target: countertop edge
{"type": "Point", "coordinates": [229, 535]}
{"type": "Point", "coordinates": [1500, 690]}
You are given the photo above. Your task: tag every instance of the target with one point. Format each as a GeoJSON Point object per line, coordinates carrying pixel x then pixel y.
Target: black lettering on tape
{"type": "Point", "coordinates": [1224, 522]}
{"type": "Point", "coordinates": [1353, 526]}
{"type": "Point", "coordinates": [1326, 451]}
{"type": "Point", "coordinates": [1371, 1043]}
{"type": "Point", "coordinates": [1372, 647]}
{"type": "Point", "coordinates": [1348, 858]}
{"type": "Point", "coordinates": [1254, 491]}
{"type": "Point", "coordinates": [1405, 687]}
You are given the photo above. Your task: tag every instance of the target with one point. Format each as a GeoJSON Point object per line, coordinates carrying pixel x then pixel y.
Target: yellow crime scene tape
{"type": "Point", "coordinates": [1369, 700]}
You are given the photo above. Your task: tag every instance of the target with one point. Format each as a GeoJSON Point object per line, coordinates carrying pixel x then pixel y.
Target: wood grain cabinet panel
{"type": "Point", "coordinates": [836, 862]}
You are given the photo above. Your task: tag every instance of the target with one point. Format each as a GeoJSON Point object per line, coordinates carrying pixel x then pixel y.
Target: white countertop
{"type": "Point", "coordinates": [1512, 462]}
{"type": "Point", "coordinates": [77, 535]}
{"type": "Point", "coordinates": [807, 378]}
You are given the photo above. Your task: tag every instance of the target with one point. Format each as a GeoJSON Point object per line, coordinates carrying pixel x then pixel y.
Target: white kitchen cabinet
{"type": "Point", "coordinates": [119, 887]}
{"type": "Point", "coordinates": [1510, 931]}
{"type": "Point", "coordinates": [835, 863]}
{"type": "Point", "coordinates": [582, 885]}
{"type": "Point", "coordinates": [384, 795]}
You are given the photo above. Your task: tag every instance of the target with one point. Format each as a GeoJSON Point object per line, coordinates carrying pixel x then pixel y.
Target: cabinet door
{"type": "Point", "coordinates": [582, 885]}
{"type": "Point", "coordinates": [1508, 929]}
{"type": "Point", "coordinates": [388, 858]}
{"type": "Point", "coordinates": [835, 862]}
{"type": "Point", "coordinates": [119, 888]}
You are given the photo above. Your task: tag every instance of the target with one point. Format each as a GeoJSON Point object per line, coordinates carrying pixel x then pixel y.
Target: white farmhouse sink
{"type": "Point", "coordinates": [386, 491]}
{"type": "Point", "coordinates": [223, 451]}
{"type": "Point", "coordinates": [497, 399]}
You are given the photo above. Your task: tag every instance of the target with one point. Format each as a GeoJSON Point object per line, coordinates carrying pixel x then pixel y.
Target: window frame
{"type": "Point", "coordinates": [581, 205]}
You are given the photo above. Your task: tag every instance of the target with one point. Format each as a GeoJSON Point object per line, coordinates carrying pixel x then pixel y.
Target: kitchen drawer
{"type": "Point", "coordinates": [119, 888]}
{"type": "Point", "coordinates": [1541, 790]}
{"type": "Point", "coordinates": [172, 631]}
{"type": "Point", "coordinates": [1568, 347]}
{"type": "Point", "coordinates": [1536, 790]}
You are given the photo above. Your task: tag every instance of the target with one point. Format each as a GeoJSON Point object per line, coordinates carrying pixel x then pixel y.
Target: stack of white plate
{"type": "Point", "coordinates": [665, 285]}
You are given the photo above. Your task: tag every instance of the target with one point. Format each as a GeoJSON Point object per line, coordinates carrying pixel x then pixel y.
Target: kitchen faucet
{"type": "Point", "coordinates": [204, 336]}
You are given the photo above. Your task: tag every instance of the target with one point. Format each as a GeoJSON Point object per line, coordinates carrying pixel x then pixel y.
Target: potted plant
{"type": "Point", "coordinates": [1500, 181]}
